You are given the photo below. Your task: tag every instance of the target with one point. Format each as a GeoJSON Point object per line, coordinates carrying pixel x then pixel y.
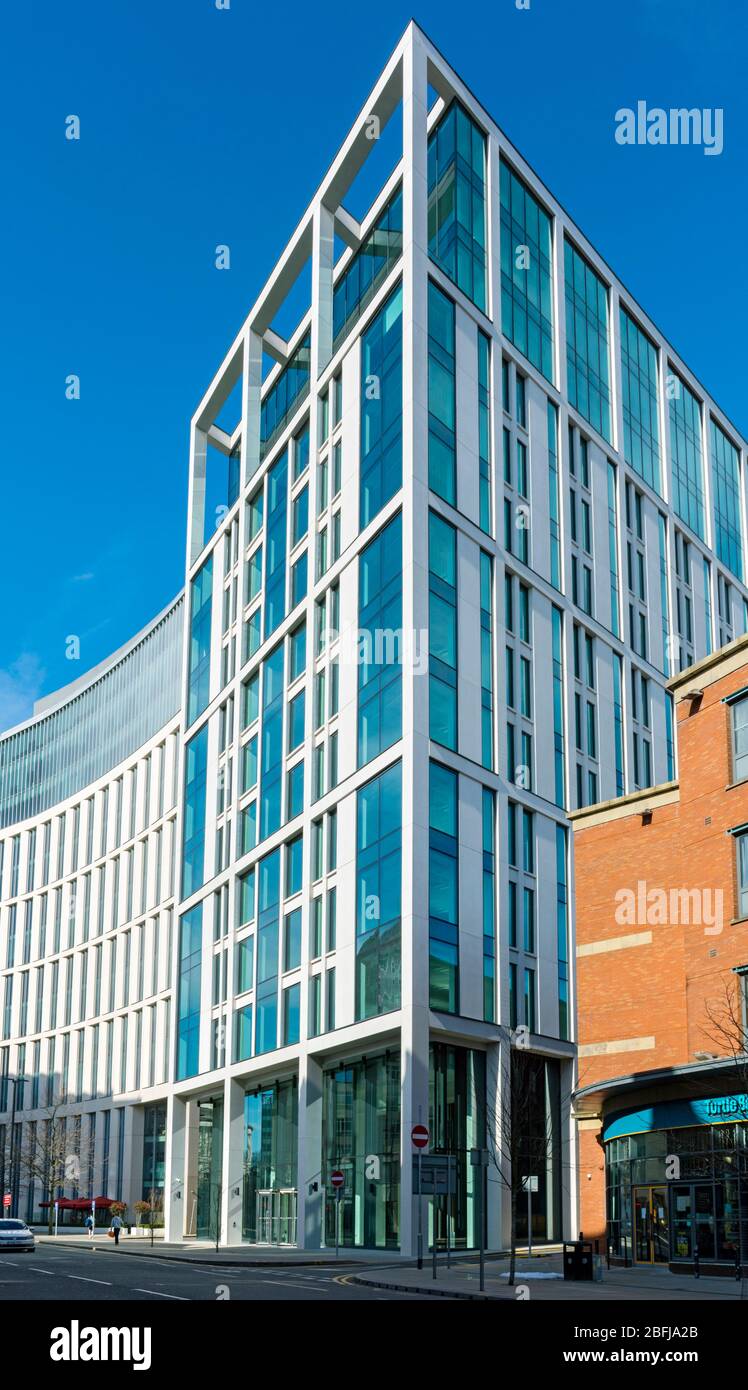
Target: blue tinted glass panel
{"type": "Point", "coordinates": [526, 272]}
{"type": "Point", "coordinates": [381, 464]}
{"type": "Point", "coordinates": [367, 270]}
{"type": "Point", "coordinates": [457, 202]}
{"type": "Point", "coordinates": [380, 626]}
{"type": "Point", "coordinates": [726, 482]}
{"type": "Point", "coordinates": [641, 428]}
{"type": "Point", "coordinates": [193, 830]}
{"type": "Point", "coordinates": [587, 348]}
{"type": "Point", "coordinates": [290, 388]}
{"type": "Point", "coordinates": [188, 1009]}
{"type": "Point", "coordinates": [378, 894]}
{"type": "Point", "coordinates": [685, 455]}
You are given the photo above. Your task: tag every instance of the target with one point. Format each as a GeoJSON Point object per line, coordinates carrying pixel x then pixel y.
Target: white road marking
{"type": "Point", "coordinates": [39, 1269]}
{"type": "Point", "coordinates": [156, 1294]}
{"type": "Point", "coordinates": [84, 1280]}
{"type": "Point", "coordinates": [283, 1284]}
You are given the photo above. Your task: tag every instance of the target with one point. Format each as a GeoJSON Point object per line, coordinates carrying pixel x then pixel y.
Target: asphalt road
{"type": "Point", "coordinates": [99, 1275]}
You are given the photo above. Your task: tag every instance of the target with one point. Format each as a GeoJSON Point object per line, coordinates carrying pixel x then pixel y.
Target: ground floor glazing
{"type": "Point", "coordinates": [361, 1124]}
{"type": "Point", "coordinates": [676, 1193]}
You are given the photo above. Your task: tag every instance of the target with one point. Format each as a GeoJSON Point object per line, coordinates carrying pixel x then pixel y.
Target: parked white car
{"type": "Point", "coordinates": [15, 1235]}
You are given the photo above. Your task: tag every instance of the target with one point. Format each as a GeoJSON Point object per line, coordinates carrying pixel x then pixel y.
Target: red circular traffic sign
{"type": "Point", "coordinates": [337, 1178]}
{"type": "Point", "coordinates": [419, 1136]}
{"type": "Point", "coordinates": [7, 1199]}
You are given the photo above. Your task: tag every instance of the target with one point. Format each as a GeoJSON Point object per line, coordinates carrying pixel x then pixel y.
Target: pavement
{"type": "Point", "coordinates": [541, 1278]}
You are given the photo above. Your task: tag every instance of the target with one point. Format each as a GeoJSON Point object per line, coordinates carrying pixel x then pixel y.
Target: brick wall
{"type": "Point", "coordinates": [645, 1004]}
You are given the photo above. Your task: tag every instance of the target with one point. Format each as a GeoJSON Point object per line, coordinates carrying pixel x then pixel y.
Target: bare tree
{"type": "Point", "coordinates": [149, 1208]}
{"type": "Point", "coordinates": [50, 1153]}
{"type": "Point", "coordinates": [726, 1029]}
{"type": "Point", "coordinates": [521, 1133]}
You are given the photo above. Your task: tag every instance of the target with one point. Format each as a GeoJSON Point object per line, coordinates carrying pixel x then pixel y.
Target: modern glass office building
{"type": "Point", "coordinates": [447, 541]}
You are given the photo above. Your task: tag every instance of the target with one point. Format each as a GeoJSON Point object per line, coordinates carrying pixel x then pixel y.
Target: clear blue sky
{"type": "Point", "coordinates": [201, 127]}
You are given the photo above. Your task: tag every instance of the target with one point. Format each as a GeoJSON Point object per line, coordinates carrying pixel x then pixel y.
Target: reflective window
{"type": "Point", "coordinates": [193, 830]}
{"type": "Point", "coordinates": [442, 631]}
{"type": "Point", "coordinates": [380, 624]}
{"type": "Point", "coordinates": [201, 594]}
{"type": "Point", "coordinates": [685, 456]}
{"type": "Point", "coordinates": [378, 894]}
{"type": "Point", "coordinates": [381, 464]}
{"type": "Point", "coordinates": [457, 202]}
{"type": "Point", "coordinates": [361, 1121]}
{"type": "Point", "coordinates": [526, 272]}
{"type": "Point", "coordinates": [290, 388]}
{"type": "Point", "coordinates": [276, 544]}
{"type": "Point", "coordinates": [726, 479]}
{"type": "Point", "coordinates": [587, 349]}
{"type": "Point", "coordinates": [641, 427]}
{"type": "Point", "coordinates": [365, 272]}
{"type": "Point", "coordinates": [443, 890]}
{"type": "Point", "coordinates": [271, 758]}
{"type": "Point", "coordinates": [739, 715]}
{"type": "Point", "coordinates": [268, 930]}
{"type": "Point", "coordinates": [188, 1009]}
{"type": "Point", "coordinates": [441, 370]}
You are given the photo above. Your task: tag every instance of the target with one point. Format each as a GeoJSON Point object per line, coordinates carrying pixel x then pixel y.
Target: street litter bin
{"type": "Point", "coordinates": [578, 1262]}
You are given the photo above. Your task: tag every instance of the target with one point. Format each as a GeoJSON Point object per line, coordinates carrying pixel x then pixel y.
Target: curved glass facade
{"type": "Point", "coordinates": [677, 1182]}
{"type": "Point", "coordinates": [58, 754]}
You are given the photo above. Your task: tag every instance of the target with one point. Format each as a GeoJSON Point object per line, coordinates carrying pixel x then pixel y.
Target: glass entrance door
{"type": "Point", "coordinates": [651, 1226]}
{"type": "Point", "coordinates": [276, 1216]}
{"type": "Point", "coordinates": [264, 1218]}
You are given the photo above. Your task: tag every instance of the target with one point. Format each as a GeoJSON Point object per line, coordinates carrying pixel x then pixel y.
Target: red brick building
{"type": "Point", "coordinates": [661, 884]}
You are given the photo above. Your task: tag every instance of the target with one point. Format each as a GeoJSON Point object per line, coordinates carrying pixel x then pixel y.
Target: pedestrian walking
{"type": "Point", "coordinates": [89, 1224]}
{"type": "Point", "coordinates": [115, 1228]}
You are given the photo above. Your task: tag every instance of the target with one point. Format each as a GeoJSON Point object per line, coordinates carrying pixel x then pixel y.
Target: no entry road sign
{"type": "Point", "coordinates": [419, 1136]}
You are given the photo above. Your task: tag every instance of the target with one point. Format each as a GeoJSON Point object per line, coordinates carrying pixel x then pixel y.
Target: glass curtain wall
{"type": "Point", "coordinates": [154, 1160]}
{"type": "Point", "coordinates": [378, 894]}
{"type": "Point", "coordinates": [526, 272]}
{"type": "Point", "coordinates": [270, 1164]}
{"type": "Point", "coordinates": [457, 202]}
{"type": "Point", "coordinates": [361, 1137]}
{"type": "Point", "coordinates": [209, 1151]}
{"type": "Point", "coordinates": [457, 1121]}
{"type": "Point", "coordinates": [536, 1088]}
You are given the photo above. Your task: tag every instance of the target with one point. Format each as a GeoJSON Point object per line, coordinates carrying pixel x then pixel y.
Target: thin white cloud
{"type": "Point", "coordinates": [20, 685]}
{"type": "Point", "coordinates": [82, 578]}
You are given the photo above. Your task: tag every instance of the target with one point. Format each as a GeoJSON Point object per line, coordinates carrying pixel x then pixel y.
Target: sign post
{"type": "Point", "coordinates": [419, 1138]}
{"type": "Point", "coordinates": [337, 1179]}
{"type": "Point", "coordinates": [57, 1208]}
